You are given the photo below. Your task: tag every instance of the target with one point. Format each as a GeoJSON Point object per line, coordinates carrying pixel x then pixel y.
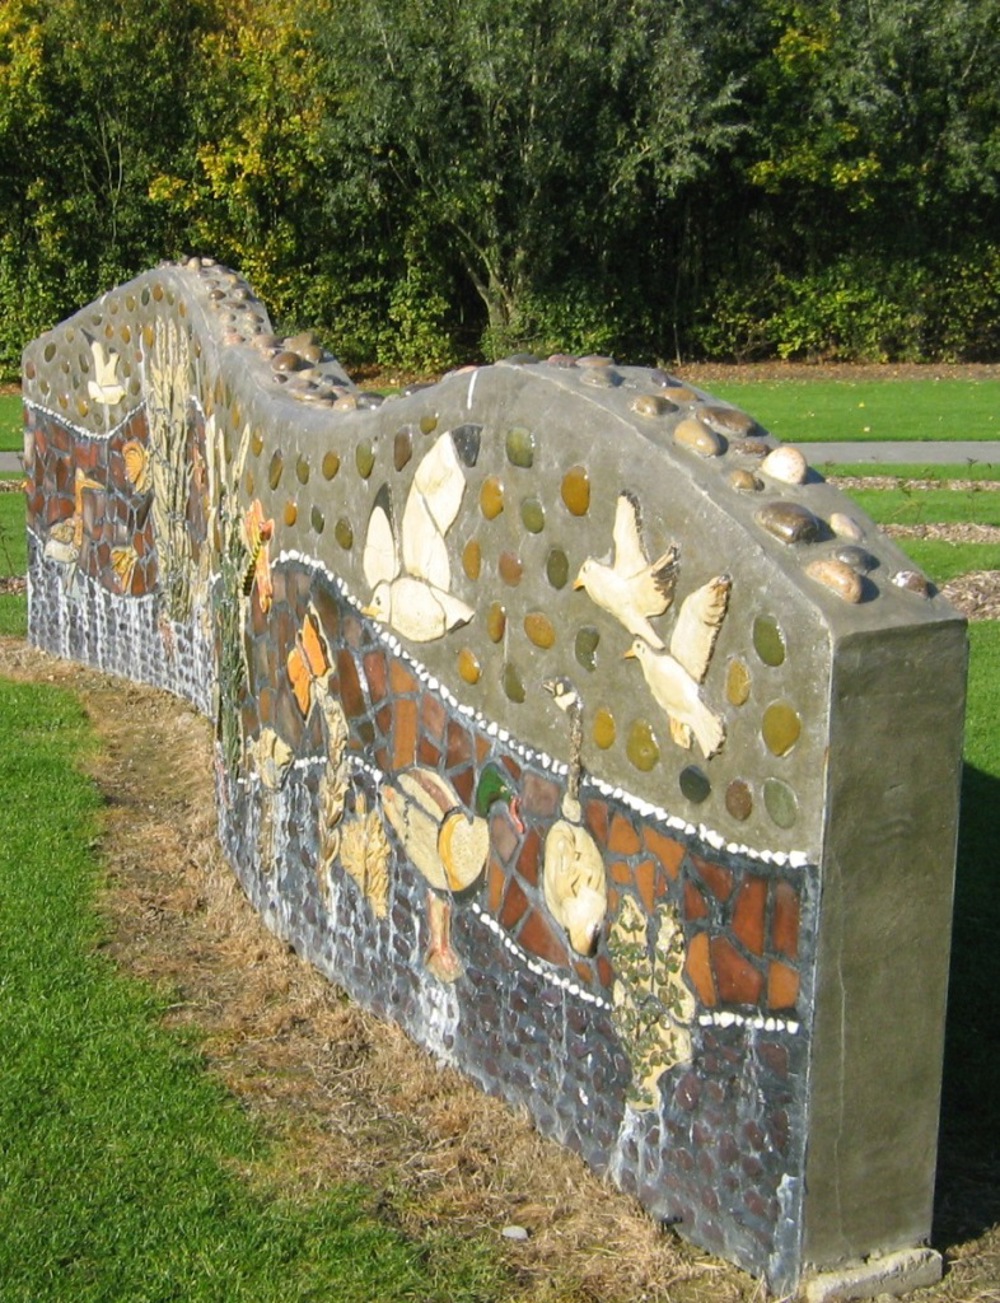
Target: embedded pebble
{"type": "Point", "coordinates": [785, 464]}
{"type": "Point", "coordinates": [789, 522]}
{"type": "Point", "coordinates": [750, 447]}
{"type": "Point", "coordinates": [912, 581]}
{"type": "Point", "coordinates": [599, 377]}
{"type": "Point", "coordinates": [858, 558]}
{"type": "Point", "coordinates": [691, 433]}
{"type": "Point", "coordinates": [730, 420]}
{"type": "Point", "coordinates": [652, 405]}
{"type": "Point", "coordinates": [845, 527]}
{"type": "Point", "coordinates": [745, 482]}
{"type": "Point", "coordinates": [837, 576]}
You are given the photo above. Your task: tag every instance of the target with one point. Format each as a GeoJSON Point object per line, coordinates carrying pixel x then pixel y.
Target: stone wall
{"type": "Point", "coordinates": [563, 717]}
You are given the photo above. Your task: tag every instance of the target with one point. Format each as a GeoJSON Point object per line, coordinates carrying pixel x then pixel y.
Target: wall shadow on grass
{"type": "Point", "coordinates": [967, 1194]}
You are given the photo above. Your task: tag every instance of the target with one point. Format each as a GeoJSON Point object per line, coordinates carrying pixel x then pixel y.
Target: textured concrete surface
{"type": "Point", "coordinates": [896, 1273]}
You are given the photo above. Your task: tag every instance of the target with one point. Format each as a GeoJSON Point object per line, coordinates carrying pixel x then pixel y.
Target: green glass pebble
{"type": "Point", "coordinates": [533, 515]}
{"type": "Point", "coordinates": [302, 470]}
{"type": "Point", "coordinates": [642, 748]}
{"type": "Point", "coordinates": [768, 640]}
{"type": "Point", "coordinates": [513, 684]}
{"type": "Point", "coordinates": [781, 803]}
{"type": "Point", "coordinates": [585, 646]}
{"type": "Point", "coordinates": [557, 568]}
{"type": "Point", "coordinates": [364, 458]}
{"type": "Point", "coordinates": [275, 469]}
{"type": "Point", "coordinates": [780, 728]}
{"type": "Point", "coordinates": [316, 519]}
{"type": "Point", "coordinates": [402, 449]}
{"type": "Point", "coordinates": [521, 447]}
{"type": "Point", "coordinates": [694, 784]}
{"type": "Point", "coordinates": [344, 533]}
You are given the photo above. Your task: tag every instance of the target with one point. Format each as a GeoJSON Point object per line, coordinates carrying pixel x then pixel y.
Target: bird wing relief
{"type": "Point", "coordinates": [381, 556]}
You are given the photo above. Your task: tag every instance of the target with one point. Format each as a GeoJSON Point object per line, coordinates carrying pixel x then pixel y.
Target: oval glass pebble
{"type": "Point", "coordinates": [557, 568]}
{"type": "Point", "coordinates": [511, 568]}
{"type": "Point", "coordinates": [739, 799]}
{"type": "Point", "coordinates": [317, 520]}
{"type": "Point", "coordinates": [533, 515]}
{"type": "Point", "coordinates": [576, 490]}
{"type": "Point", "coordinates": [274, 470]}
{"type": "Point", "coordinates": [513, 684]}
{"type": "Point", "coordinates": [737, 683]}
{"type": "Point", "coordinates": [402, 449]}
{"type": "Point", "coordinates": [768, 640]}
{"type": "Point", "coordinates": [521, 447]}
{"type": "Point", "coordinates": [780, 727]}
{"type": "Point", "coordinates": [472, 558]}
{"type": "Point", "coordinates": [585, 646]}
{"type": "Point", "coordinates": [539, 629]}
{"type": "Point", "coordinates": [331, 464]}
{"type": "Point", "coordinates": [344, 533]}
{"type": "Point", "coordinates": [302, 471]}
{"type": "Point", "coordinates": [694, 784]}
{"type": "Point", "coordinates": [428, 424]}
{"type": "Point", "coordinates": [491, 497]}
{"type": "Point", "coordinates": [781, 803]}
{"type": "Point", "coordinates": [468, 665]}
{"type": "Point", "coordinates": [256, 443]}
{"type": "Point", "coordinates": [642, 748]}
{"type": "Point", "coordinates": [364, 458]}
{"type": "Point", "coordinates": [604, 728]}
{"type": "Point", "coordinates": [496, 622]}
{"type": "Point", "coordinates": [291, 514]}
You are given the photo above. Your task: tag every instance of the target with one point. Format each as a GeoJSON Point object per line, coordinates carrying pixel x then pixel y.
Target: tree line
{"type": "Point", "coordinates": [428, 182]}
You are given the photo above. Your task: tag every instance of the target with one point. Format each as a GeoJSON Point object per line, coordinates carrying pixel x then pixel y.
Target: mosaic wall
{"type": "Point", "coordinates": [526, 690]}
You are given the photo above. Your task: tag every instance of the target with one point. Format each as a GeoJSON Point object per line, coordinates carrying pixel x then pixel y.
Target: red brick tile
{"type": "Point", "coordinates": [694, 903]}
{"type": "Point", "coordinates": [623, 838]}
{"type": "Point", "coordinates": [404, 747]}
{"type": "Point", "coordinates": [699, 969]}
{"type": "Point", "coordinates": [527, 861]}
{"type": "Point", "coordinates": [748, 917]}
{"type": "Point", "coordinates": [782, 986]}
{"type": "Point", "coordinates": [538, 937]}
{"type": "Point", "coordinates": [514, 905]}
{"type": "Point", "coordinates": [596, 819]}
{"type": "Point", "coordinates": [645, 881]}
{"type": "Point", "coordinates": [785, 920]}
{"type": "Point", "coordinates": [736, 979]}
{"type": "Point", "coordinates": [718, 880]}
{"type": "Point", "coordinates": [669, 852]}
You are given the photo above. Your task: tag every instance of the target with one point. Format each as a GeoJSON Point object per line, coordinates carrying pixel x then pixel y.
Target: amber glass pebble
{"type": "Point", "coordinates": [533, 515]}
{"type": "Point", "coordinates": [642, 748]}
{"type": "Point", "coordinates": [511, 568]}
{"type": "Point", "coordinates": [364, 458]}
{"type": "Point", "coordinates": [768, 640]}
{"type": "Point", "coordinates": [472, 558]}
{"type": "Point", "coordinates": [496, 622]}
{"type": "Point", "coordinates": [557, 568]}
{"type": "Point", "coordinates": [780, 728]}
{"type": "Point", "coordinates": [539, 629]}
{"type": "Point", "coordinates": [576, 490]}
{"type": "Point", "coordinates": [275, 469]}
{"type": "Point", "coordinates": [694, 784]}
{"type": "Point", "coordinates": [331, 464]}
{"type": "Point", "coordinates": [317, 520]}
{"type": "Point", "coordinates": [739, 799]}
{"type": "Point", "coordinates": [780, 803]}
{"type": "Point", "coordinates": [737, 683]}
{"type": "Point", "coordinates": [585, 646]}
{"type": "Point", "coordinates": [257, 443]}
{"type": "Point", "coordinates": [491, 498]}
{"type": "Point", "coordinates": [604, 728]}
{"type": "Point", "coordinates": [302, 470]}
{"type": "Point", "coordinates": [344, 533]}
{"type": "Point", "coordinates": [468, 665]}
{"type": "Point", "coordinates": [249, 482]}
{"type": "Point", "coordinates": [428, 424]}
{"type": "Point", "coordinates": [521, 447]}
{"type": "Point", "coordinates": [513, 684]}
{"type": "Point", "coordinates": [402, 449]}
{"type": "Point", "coordinates": [291, 514]}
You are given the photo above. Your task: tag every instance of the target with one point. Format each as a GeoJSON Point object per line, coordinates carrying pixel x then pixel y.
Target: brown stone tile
{"type": "Point", "coordinates": [495, 883]}
{"type": "Point", "coordinates": [483, 748]}
{"type": "Point", "coordinates": [400, 678]}
{"type": "Point", "coordinates": [540, 797]}
{"type": "Point", "coordinates": [736, 979]}
{"type": "Point", "coordinates": [427, 753]}
{"type": "Point", "coordinates": [748, 916]}
{"type": "Point", "coordinates": [459, 746]}
{"type": "Point", "coordinates": [376, 673]}
{"type": "Point", "coordinates": [623, 838]}
{"type": "Point", "coordinates": [537, 937]}
{"type": "Point", "coordinates": [514, 906]}
{"type": "Point", "coordinates": [718, 880]}
{"type": "Point", "coordinates": [350, 684]}
{"type": "Point", "coordinates": [669, 852]}
{"type": "Point", "coordinates": [646, 876]}
{"type": "Point", "coordinates": [464, 783]}
{"type": "Point", "coordinates": [503, 834]}
{"type": "Point", "coordinates": [527, 861]}
{"type": "Point", "coordinates": [383, 720]}
{"type": "Point", "coordinates": [584, 972]}
{"type": "Point", "coordinates": [694, 903]}
{"type": "Point", "coordinates": [698, 967]}
{"type": "Point", "coordinates": [782, 986]}
{"type": "Point", "coordinates": [596, 819]}
{"type": "Point", "coordinates": [353, 631]}
{"type": "Point", "coordinates": [605, 973]}
{"type": "Point", "coordinates": [785, 920]}
{"type": "Point", "coordinates": [404, 738]}
{"type": "Point", "coordinates": [621, 873]}
{"type": "Point", "coordinates": [433, 716]}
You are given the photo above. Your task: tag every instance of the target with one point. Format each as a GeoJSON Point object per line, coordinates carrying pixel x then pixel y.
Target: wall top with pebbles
{"type": "Point", "coordinates": [536, 520]}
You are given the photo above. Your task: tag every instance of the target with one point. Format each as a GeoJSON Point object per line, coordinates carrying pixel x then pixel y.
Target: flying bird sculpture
{"type": "Point", "coordinates": [411, 581]}
{"type": "Point", "coordinates": [632, 588]}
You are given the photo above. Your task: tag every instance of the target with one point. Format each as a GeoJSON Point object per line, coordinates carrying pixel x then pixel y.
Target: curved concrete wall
{"type": "Point", "coordinates": [562, 716]}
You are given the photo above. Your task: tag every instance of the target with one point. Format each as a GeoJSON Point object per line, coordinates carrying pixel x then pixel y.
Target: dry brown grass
{"type": "Point", "coordinates": [341, 1095]}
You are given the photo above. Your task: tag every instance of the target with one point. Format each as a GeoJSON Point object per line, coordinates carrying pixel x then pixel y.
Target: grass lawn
{"type": "Point", "coordinates": [119, 1156]}
{"type": "Point", "coordinates": [943, 560]}
{"type": "Point", "coordinates": [11, 426]}
{"type": "Point", "coordinates": [980, 470]}
{"type": "Point", "coordinates": [929, 506]}
{"type": "Point", "coordinates": [805, 410]}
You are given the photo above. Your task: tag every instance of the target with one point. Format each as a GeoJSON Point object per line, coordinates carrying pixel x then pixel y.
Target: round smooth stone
{"type": "Point", "coordinates": [653, 405]}
{"type": "Point", "coordinates": [789, 522]}
{"type": "Point", "coordinates": [256, 443]}
{"type": "Point", "coordinates": [744, 481]}
{"type": "Point", "coordinates": [364, 458]}
{"type": "Point", "coordinates": [912, 581]}
{"type": "Point", "coordinates": [845, 527]}
{"type": "Point", "coordinates": [600, 377]}
{"type": "Point", "coordinates": [858, 558]}
{"type": "Point", "coordinates": [838, 577]}
{"type": "Point", "coordinates": [728, 420]}
{"type": "Point", "coordinates": [786, 464]}
{"type": "Point", "coordinates": [291, 514]}
{"type": "Point", "coordinates": [428, 424]}
{"type": "Point", "coordinates": [691, 433]}
{"type": "Point", "coordinates": [402, 449]}
{"type": "Point", "coordinates": [286, 361]}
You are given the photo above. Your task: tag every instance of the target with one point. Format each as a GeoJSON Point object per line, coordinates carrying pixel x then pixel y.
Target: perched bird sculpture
{"type": "Point", "coordinates": [411, 584]}
{"type": "Point", "coordinates": [447, 845]}
{"type": "Point", "coordinates": [574, 882]}
{"type": "Point", "coordinates": [632, 589]}
{"type": "Point", "coordinates": [674, 676]}
{"type": "Point", "coordinates": [66, 536]}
